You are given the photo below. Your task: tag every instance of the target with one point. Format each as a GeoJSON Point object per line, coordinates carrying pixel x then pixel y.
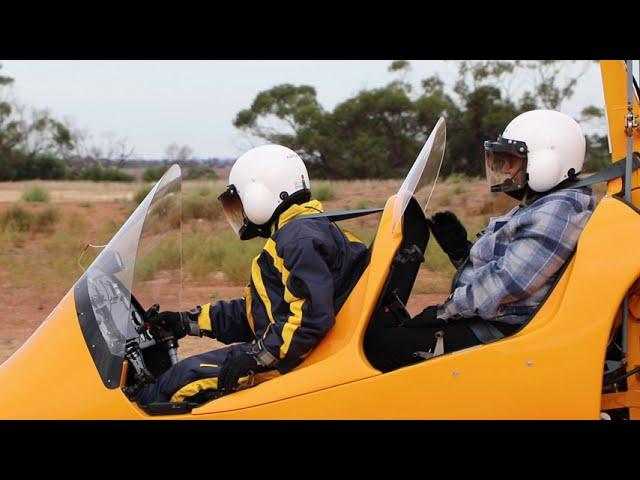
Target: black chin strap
{"type": "Point", "coordinates": [250, 230]}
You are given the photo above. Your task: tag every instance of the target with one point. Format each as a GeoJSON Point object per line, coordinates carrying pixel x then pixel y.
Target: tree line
{"type": "Point", "coordinates": [36, 144]}
{"type": "Point", "coordinates": [378, 132]}
{"type": "Point", "coordinates": [374, 134]}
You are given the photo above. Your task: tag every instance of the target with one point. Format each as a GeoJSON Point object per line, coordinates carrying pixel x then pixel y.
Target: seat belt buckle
{"type": "Point", "coordinates": [397, 308]}
{"type": "Point", "coordinates": [437, 351]}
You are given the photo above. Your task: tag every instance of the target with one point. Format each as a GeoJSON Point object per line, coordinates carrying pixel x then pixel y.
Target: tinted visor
{"type": "Point", "coordinates": [505, 164]}
{"type": "Point", "coordinates": [232, 208]}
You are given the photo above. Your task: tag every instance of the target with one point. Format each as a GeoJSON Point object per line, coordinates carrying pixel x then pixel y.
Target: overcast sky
{"type": "Point", "coordinates": [155, 103]}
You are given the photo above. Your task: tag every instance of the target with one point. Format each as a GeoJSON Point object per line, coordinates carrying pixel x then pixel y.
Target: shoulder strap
{"type": "Point", "coordinates": [610, 172]}
{"type": "Point", "coordinates": [344, 215]}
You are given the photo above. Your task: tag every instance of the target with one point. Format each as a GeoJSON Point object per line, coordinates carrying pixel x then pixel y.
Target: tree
{"type": "Point", "coordinates": [486, 95]}
{"type": "Point", "coordinates": [178, 153]}
{"type": "Point", "coordinates": [33, 144]}
{"type": "Point", "coordinates": [378, 132]}
{"type": "Point", "coordinates": [288, 115]}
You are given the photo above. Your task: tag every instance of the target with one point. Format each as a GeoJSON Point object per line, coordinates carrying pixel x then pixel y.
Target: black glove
{"type": "Point", "coordinates": [176, 324]}
{"type": "Point", "coordinates": [427, 318]}
{"type": "Point", "coordinates": [238, 363]}
{"type": "Point", "coordinates": [450, 234]}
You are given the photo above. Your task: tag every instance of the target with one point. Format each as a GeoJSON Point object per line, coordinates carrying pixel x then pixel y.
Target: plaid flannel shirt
{"type": "Point", "coordinates": [514, 263]}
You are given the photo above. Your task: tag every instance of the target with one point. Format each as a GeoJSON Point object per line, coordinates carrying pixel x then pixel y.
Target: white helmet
{"type": "Point", "coordinates": [546, 145]}
{"type": "Point", "coordinates": [262, 182]}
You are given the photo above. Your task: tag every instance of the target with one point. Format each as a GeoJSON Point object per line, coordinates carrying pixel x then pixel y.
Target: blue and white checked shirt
{"type": "Point", "coordinates": [512, 266]}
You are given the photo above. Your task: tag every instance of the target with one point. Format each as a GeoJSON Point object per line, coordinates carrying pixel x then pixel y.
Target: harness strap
{"type": "Point", "coordinates": [610, 172]}
{"type": "Point", "coordinates": [485, 331]}
{"type": "Point", "coordinates": [345, 215]}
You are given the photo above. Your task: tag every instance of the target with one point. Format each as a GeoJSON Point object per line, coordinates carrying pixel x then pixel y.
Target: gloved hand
{"type": "Point", "coordinates": [238, 363]}
{"type": "Point", "coordinates": [178, 324]}
{"type": "Point", "coordinates": [450, 234]}
{"type": "Point", "coordinates": [425, 319]}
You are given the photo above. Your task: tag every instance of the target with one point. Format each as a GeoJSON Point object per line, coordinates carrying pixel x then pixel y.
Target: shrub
{"type": "Point", "coordinates": [204, 255]}
{"type": "Point", "coordinates": [12, 236]}
{"type": "Point", "coordinates": [84, 204]}
{"type": "Point", "coordinates": [323, 191]}
{"type": "Point", "coordinates": [77, 223]}
{"type": "Point", "coordinates": [163, 213]}
{"type": "Point", "coordinates": [456, 178]}
{"type": "Point", "coordinates": [16, 219]}
{"type": "Point", "coordinates": [45, 219]}
{"type": "Point", "coordinates": [201, 203]}
{"type": "Point", "coordinates": [36, 194]}
{"type": "Point", "coordinates": [18, 165]}
{"type": "Point", "coordinates": [114, 175]}
{"type": "Point", "coordinates": [141, 193]}
{"type": "Point", "coordinates": [458, 190]}
{"type": "Point", "coordinates": [362, 204]}
{"type": "Point", "coordinates": [109, 227]}
{"type": "Point", "coordinates": [96, 173]}
{"type": "Point", "coordinates": [153, 174]}
{"type": "Point", "coordinates": [197, 173]}
{"type": "Point", "coordinates": [164, 255]}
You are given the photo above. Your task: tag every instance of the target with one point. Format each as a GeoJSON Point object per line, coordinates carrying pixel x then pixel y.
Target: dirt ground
{"type": "Point", "coordinates": [30, 289]}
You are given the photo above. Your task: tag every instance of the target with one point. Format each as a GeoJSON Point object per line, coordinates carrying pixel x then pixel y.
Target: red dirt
{"type": "Point", "coordinates": [24, 305]}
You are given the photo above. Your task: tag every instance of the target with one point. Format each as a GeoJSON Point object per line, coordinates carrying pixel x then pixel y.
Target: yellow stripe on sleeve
{"type": "Point", "coordinates": [204, 320]}
{"type": "Point", "coordinates": [256, 277]}
{"type": "Point", "coordinates": [295, 303]}
{"type": "Point", "coordinates": [247, 302]}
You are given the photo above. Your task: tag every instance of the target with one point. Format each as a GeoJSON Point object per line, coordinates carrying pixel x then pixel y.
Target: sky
{"type": "Point", "coordinates": [155, 103]}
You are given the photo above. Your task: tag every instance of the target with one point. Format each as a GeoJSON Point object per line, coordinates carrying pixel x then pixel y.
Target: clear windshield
{"type": "Point", "coordinates": [144, 257]}
{"type": "Point", "coordinates": [421, 179]}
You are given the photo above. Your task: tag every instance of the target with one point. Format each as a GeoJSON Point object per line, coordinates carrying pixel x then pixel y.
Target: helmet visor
{"type": "Point", "coordinates": [505, 165]}
{"type": "Point", "coordinates": [232, 208]}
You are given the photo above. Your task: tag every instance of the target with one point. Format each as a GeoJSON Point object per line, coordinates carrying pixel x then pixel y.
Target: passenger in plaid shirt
{"type": "Point", "coordinates": [511, 267]}
{"type": "Point", "coordinates": [506, 274]}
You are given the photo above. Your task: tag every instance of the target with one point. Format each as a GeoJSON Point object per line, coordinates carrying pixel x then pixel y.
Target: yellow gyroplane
{"type": "Point", "coordinates": [577, 358]}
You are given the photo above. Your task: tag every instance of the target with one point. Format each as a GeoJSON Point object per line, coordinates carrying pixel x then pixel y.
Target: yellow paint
{"type": "Point", "coordinates": [614, 81]}
{"type": "Point", "coordinates": [552, 369]}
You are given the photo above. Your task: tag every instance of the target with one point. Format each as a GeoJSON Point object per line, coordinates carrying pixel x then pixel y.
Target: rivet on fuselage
{"type": "Point", "coordinates": [456, 373]}
{"type": "Point", "coordinates": [529, 363]}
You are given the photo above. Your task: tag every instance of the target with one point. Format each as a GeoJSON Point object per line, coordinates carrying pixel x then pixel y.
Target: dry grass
{"type": "Point", "coordinates": [40, 244]}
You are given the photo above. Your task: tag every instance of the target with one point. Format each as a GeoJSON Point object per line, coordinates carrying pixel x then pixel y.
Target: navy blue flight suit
{"type": "Point", "coordinates": [298, 284]}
